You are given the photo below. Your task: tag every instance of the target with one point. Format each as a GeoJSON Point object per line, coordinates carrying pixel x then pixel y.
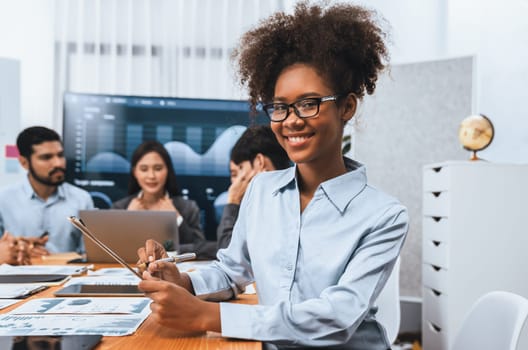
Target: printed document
{"type": "Point", "coordinates": [62, 316]}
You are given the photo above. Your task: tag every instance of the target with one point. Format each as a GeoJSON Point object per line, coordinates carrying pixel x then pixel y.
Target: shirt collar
{"type": "Point", "coordinates": [354, 181]}
{"type": "Point", "coordinates": [30, 193]}
{"type": "Point", "coordinates": [343, 189]}
{"type": "Point", "coordinates": [288, 177]}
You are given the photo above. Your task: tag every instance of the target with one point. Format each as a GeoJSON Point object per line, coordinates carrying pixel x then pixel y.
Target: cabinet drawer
{"type": "Point", "coordinates": [436, 228]}
{"type": "Point", "coordinates": [432, 337]}
{"type": "Point", "coordinates": [435, 308]}
{"type": "Point", "coordinates": [436, 179]}
{"type": "Point", "coordinates": [434, 321]}
{"type": "Point", "coordinates": [435, 253]}
{"type": "Point", "coordinates": [435, 277]}
{"type": "Point", "coordinates": [436, 204]}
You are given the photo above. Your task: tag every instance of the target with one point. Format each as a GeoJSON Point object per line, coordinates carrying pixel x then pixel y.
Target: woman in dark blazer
{"type": "Point", "coordinates": [153, 186]}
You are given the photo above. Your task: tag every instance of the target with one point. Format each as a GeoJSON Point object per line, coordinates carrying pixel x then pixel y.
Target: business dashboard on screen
{"type": "Point", "coordinates": [102, 131]}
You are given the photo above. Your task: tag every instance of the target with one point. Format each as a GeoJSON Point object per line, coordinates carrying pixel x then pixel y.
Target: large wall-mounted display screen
{"type": "Point", "coordinates": [102, 131]}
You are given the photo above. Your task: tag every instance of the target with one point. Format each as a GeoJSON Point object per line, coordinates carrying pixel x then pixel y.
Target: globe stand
{"type": "Point", "coordinates": [474, 157]}
{"type": "Point", "coordinates": [476, 133]}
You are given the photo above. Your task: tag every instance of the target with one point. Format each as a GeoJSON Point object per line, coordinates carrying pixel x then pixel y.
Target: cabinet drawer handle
{"type": "Point", "coordinates": [436, 292]}
{"type": "Point", "coordinates": [435, 327]}
{"type": "Point", "coordinates": [437, 194]}
{"type": "Point", "coordinates": [436, 243]}
{"type": "Point", "coordinates": [437, 218]}
{"type": "Point", "coordinates": [436, 268]}
{"type": "Point", "coordinates": [437, 169]}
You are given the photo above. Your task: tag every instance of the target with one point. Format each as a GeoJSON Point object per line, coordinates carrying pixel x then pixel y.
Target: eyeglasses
{"type": "Point", "coordinates": [303, 108]}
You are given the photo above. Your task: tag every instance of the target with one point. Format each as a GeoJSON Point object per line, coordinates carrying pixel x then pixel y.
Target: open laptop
{"type": "Point", "coordinates": [124, 231]}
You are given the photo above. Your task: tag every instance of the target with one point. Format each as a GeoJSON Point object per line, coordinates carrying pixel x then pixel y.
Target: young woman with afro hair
{"type": "Point", "coordinates": [318, 241]}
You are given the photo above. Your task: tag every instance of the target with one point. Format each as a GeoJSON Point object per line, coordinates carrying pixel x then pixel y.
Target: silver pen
{"type": "Point", "coordinates": [172, 259]}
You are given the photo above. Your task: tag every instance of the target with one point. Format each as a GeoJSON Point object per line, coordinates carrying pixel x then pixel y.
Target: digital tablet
{"type": "Point", "coordinates": [99, 290]}
{"type": "Point", "coordinates": [62, 342]}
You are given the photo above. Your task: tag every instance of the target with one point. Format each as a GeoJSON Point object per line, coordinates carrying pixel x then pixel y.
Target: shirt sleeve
{"type": "Point", "coordinates": [231, 272]}
{"type": "Point", "coordinates": [334, 316]}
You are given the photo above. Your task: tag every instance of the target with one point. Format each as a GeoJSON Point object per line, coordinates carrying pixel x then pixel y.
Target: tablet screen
{"type": "Point", "coordinates": [99, 290]}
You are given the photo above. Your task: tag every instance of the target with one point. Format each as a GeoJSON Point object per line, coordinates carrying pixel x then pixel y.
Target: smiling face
{"type": "Point", "coordinates": [151, 174]}
{"type": "Point", "coordinates": [314, 142]}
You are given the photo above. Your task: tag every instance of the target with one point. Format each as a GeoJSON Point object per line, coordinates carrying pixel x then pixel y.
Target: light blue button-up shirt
{"type": "Point", "coordinates": [24, 213]}
{"type": "Point", "coordinates": [318, 272]}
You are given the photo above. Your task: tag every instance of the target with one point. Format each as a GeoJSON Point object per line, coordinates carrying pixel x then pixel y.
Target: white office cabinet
{"type": "Point", "coordinates": [475, 240]}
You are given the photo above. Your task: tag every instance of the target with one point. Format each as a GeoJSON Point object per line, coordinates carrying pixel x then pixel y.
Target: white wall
{"type": "Point", "coordinates": [496, 32]}
{"type": "Point", "coordinates": [9, 117]}
{"type": "Point", "coordinates": [418, 28]}
{"type": "Point", "coordinates": [26, 32]}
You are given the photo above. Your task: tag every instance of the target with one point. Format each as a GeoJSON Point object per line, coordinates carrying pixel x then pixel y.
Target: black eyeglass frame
{"type": "Point", "coordinates": [290, 106]}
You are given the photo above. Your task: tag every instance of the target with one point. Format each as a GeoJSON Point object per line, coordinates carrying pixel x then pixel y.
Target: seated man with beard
{"type": "Point", "coordinates": [35, 209]}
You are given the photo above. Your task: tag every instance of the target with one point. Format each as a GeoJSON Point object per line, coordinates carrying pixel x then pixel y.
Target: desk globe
{"type": "Point", "coordinates": [475, 133]}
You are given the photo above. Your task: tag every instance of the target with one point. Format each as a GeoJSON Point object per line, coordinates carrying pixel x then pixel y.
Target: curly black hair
{"type": "Point", "coordinates": [343, 42]}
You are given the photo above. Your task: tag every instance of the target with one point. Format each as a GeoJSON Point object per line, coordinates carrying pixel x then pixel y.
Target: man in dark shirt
{"type": "Point", "coordinates": [255, 151]}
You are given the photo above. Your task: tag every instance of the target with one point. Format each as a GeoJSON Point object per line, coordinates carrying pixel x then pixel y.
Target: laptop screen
{"type": "Point", "coordinates": [124, 231]}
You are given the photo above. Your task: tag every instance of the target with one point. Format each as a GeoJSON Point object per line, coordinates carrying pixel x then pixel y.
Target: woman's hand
{"type": "Point", "coordinates": [162, 204]}
{"type": "Point", "coordinates": [136, 204]}
{"type": "Point", "coordinates": [165, 204]}
{"type": "Point", "coordinates": [166, 271]}
{"type": "Point", "coordinates": [152, 250]}
{"type": "Point", "coordinates": [175, 307]}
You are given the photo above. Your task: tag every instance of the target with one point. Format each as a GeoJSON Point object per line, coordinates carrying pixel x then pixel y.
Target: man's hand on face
{"type": "Point", "coordinates": [240, 179]}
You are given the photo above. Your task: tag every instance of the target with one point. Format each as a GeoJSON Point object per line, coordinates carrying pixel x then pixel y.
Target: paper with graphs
{"type": "Point", "coordinates": [61, 316]}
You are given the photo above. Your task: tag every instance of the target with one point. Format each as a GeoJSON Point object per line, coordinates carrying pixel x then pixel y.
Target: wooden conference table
{"type": "Point", "coordinates": [151, 335]}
